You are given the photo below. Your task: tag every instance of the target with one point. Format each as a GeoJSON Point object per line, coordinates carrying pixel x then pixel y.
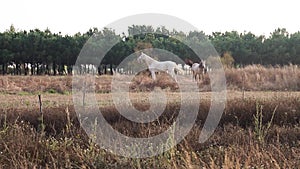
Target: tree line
{"type": "Point", "coordinates": [39, 52]}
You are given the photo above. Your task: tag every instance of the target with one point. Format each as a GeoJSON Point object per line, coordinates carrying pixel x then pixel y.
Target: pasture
{"type": "Point", "coordinates": [259, 127]}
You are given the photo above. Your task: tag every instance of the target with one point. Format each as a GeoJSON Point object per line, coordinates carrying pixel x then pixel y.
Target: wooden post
{"type": "Point", "coordinates": [83, 94]}
{"type": "Point", "coordinates": [243, 84]}
{"type": "Point", "coordinates": [42, 125]}
{"type": "Point", "coordinates": [40, 101]}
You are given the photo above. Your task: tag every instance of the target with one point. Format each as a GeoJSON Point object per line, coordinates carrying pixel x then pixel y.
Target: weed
{"type": "Point", "coordinates": [260, 129]}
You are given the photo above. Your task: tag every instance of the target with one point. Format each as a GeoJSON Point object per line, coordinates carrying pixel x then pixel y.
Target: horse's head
{"type": "Point", "coordinates": [203, 63]}
{"type": "Point", "coordinates": [204, 66]}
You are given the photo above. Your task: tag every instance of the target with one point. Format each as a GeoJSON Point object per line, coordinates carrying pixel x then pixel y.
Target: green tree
{"type": "Point", "coordinates": [276, 48]}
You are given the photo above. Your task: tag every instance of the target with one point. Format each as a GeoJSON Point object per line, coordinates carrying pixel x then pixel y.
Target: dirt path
{"type": "Point", "coordinates": [54, 100]}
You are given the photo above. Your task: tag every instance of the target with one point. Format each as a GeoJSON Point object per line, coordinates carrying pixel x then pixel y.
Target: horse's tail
{"type": "Point", "coordinates": [179, 69]}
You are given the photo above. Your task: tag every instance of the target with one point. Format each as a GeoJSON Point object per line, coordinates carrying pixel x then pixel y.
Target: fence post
{"type": "Point", "coordinates": [42, 125]}
{"type": "Point", "coordinates": [243, 84]}
{"type": "Point", "coordinates": [40, 102]}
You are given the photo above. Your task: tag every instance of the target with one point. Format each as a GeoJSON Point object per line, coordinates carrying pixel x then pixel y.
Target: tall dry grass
{"type": "Point", "coordinates": [251, 77]}
{"type": "Point", "coordinates": [234, 144]}
{"type": "Point", "coordinates": [254, 132]}
{"type": "Point", "coordinates": [257, 77]}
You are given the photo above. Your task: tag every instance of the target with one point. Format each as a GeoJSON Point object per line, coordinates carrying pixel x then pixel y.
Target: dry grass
{"type": "Point", "coordinates": [251, 78]}
{"type": "Point", "coordinates": [256, 77]}
{"type": "Point", "coordinates": [247, 136]}
{"type": "Point", "coordinates": [235, 144]}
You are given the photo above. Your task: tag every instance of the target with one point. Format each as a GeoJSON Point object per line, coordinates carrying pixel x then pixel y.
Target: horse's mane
{"type": "Point", "coordinates": [188, 62]}
{"type": "Point", "coordinates": [148, 58]}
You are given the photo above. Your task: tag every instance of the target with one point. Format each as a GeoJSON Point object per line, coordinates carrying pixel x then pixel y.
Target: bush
{"type": "Point", "coordinates": [227, 60]}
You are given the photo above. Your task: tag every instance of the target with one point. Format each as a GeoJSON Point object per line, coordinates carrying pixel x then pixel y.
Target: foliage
{"type": "Point", "coordinates": [43, 52]}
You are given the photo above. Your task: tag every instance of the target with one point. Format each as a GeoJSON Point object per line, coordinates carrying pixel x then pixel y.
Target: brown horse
{"type": "Point", "coordinates": [197, 68]}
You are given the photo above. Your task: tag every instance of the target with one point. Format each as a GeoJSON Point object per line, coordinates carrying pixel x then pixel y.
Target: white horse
{"type": "Point", "coordinates": [156, 66]}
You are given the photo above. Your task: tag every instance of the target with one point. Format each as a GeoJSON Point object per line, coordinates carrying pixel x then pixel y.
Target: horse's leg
{"type": "Point", "coordinates": [172, 72]}
{"type": "Point", "coordinates": [194, 75]}
{"type": "Point", "coordinates": [199, 77]}
{"type": "Point", "coordinates": [153, 75]}
{"type": "Point", "coordinates": [202, 74]}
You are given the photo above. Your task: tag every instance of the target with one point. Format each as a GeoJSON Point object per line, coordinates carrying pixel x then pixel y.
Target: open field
{"type": "Point", "coordinates": [238, 142]}
{"type": "Point", "coordinates": [250, 78]}
{"type": "Point", "coordinates": [259, 128]}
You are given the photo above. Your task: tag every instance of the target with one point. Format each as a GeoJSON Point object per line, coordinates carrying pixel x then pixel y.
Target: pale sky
{"type": "Point", "coordinates": [69, 17]}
